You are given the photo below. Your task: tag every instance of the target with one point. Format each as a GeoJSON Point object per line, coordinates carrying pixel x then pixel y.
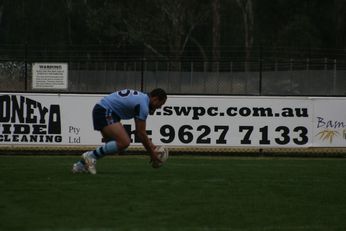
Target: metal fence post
{"type": "Point", "coordinates": [334, 77]}
{"type": "Point", "coordinates": [142, 74]}
{"type": "Point", "coordinates": [260, 72]}
{"type": "Point", "coordinates": [26, 67]}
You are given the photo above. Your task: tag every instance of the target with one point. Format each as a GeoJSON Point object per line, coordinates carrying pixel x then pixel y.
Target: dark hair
{"type": "Point", "coordinates": [159, 93]}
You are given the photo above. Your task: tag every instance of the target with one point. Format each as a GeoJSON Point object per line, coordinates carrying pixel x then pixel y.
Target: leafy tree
{"type": "Point", "coordinates": [299, 32]}
{"type": "Point", "coordinates": [167, 27]}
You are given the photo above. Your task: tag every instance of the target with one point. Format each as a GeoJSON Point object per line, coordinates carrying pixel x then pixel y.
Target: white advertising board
{"type": "Point", "coordinates": [234, 121]}
{"type": "Point", "coordinates": [49, 75]}
{"type": "Point", "coordinates": [203, 121]}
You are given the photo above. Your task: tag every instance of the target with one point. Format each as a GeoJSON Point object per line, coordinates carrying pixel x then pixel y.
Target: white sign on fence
{"type": "Point", "coordinates": [203, 121]}
{"type": "Point", "coordinates": [49, 75]}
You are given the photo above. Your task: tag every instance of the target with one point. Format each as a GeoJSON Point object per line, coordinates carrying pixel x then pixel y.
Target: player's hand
{"type": "Point", "coordinates": [155, 157]}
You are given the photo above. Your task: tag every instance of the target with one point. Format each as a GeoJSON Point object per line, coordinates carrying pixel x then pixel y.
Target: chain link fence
{"type": "Point", "coordinates": [104, 72]}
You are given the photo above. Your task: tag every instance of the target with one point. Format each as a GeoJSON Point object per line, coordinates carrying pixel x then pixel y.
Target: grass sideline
{"type": "Point", "coordinates": [188, 193]}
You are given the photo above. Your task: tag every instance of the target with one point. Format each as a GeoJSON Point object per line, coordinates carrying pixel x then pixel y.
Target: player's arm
{"type": "Point", "coordinates": [143, 136]}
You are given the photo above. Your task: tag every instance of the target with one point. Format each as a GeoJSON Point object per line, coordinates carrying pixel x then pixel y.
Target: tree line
{"type": "Point", "coordinates": [176, 29]}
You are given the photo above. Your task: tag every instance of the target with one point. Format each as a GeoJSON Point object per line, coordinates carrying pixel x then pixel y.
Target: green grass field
{"type": "Point", "coordinates": [188, 193]}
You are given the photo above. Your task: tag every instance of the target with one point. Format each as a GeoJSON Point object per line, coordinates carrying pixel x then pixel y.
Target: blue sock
{"type": "Point", "coordinates": [110, 147]}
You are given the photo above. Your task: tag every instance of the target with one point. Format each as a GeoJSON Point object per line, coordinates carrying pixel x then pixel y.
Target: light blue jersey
{"type": "Point", "coordinates": [127, 104]}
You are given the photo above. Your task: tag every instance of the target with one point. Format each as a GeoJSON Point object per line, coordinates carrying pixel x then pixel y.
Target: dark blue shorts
{"type": "Point", "coordinates": [103, 117]}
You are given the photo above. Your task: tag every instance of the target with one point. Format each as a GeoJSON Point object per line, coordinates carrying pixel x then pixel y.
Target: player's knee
{"type": "Point", "coordinates": [123, 144]}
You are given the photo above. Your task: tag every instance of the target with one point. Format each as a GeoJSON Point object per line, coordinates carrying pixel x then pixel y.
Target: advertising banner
{"type": "Point", "coordinates": [329, 122]}
{"type": "Point", "coordinates": [235, 121]}
{"type": "Point", "coordinates": [201, 121]}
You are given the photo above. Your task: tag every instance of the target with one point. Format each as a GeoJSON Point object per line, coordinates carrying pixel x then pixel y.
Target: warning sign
{"type": "Point", "coordinates": [49, 75]}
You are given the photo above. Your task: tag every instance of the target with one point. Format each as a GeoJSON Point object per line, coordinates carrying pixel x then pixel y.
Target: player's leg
{"type": "Point", "coordinates": [108, 123]}
{"type": "Point", "coordinates": [116, 138]}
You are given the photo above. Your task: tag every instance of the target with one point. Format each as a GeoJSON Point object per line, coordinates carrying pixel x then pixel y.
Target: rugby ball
{"type": "Point", "coordinates": [163, 156]}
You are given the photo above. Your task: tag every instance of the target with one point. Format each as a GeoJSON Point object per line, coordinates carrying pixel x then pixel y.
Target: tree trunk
{"type": "Point", "coordinates": [216, 34]}
{"type": "Point", "coordinates": [246, 7]}
{"type": "Point", "coordinates": [1, 12]}
{"type": "Point", "coordinates": [340, 34]}
{"type": "Point", "coordinates": [68, 5]}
